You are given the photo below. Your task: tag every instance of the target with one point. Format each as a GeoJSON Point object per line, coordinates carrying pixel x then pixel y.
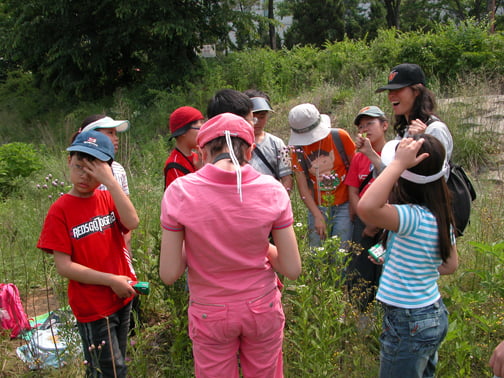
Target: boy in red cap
{"type": "Point", "coordinates": [184, 125]}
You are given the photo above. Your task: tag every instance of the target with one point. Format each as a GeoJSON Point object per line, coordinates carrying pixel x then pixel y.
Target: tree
{"type": "Point", "coordinates": [392, 7]}
{"type": "Point", "coordinates": [271, 18]}
{"type": "Point", "coordinates": [89, 48]}
{"type": "Point", "coordinates": [363, 19]}
{"type": "Point", "coordinates": [315, 21]}
{"type": "Point", "coordinates": [420, 15]}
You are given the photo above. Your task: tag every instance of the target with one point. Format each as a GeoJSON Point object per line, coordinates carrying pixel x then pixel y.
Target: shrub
{"type": "Point", "coordinates": [16, 160]}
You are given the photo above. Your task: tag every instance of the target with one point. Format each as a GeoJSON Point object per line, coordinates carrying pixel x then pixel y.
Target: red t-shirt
{"type": "Point", "coordinates": [90, 231]}
{"type": "Point", "coordinates": [326, 168]}
{"type": "Point", "coordinates": [359, 169]}
{"type": "Point", "coordinates": [178, 157]}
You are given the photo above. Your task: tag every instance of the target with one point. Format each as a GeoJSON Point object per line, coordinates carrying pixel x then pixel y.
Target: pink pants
{"type": "Point", "coordinates": [253, 330]}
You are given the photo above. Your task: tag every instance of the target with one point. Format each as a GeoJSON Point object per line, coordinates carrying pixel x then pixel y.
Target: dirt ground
{"type": "Point", "coordinates": [39, 301]}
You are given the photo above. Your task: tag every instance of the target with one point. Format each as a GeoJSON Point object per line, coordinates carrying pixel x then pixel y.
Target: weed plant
{"type": "Point", "coordinates": [325, 335]}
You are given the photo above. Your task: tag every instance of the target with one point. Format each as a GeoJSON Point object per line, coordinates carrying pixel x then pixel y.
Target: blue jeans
{"type": "Point", "coordinates": [113, 331]}
{"type": "Point", "coordinates": [410, 340]}
{"type": "Point", "coordinates": [337, 219]}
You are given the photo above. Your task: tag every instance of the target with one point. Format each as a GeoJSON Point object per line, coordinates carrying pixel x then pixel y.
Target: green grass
{"type": "Point", "coordinates": [324, 334]}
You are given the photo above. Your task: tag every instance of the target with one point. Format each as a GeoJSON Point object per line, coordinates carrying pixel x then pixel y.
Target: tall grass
{"type": "Point", "coordinates": [324, 335]}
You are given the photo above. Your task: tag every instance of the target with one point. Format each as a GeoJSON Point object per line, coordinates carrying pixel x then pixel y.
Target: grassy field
{"type": "Point", "coordinates": [325, 335]}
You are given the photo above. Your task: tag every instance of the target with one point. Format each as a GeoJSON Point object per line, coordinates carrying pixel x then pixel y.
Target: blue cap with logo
{"type": "Point", "coordinates": [95, 144]}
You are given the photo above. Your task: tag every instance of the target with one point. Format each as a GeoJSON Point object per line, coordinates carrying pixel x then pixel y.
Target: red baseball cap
{"type": "Point", "coordinates": [181, 118]}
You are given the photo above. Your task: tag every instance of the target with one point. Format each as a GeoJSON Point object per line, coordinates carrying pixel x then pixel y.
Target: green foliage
{"type": "Point", "coordinates": [315, 22]}
{"type": "Point", "coordinates": [90, 49]}
{"type": "Point", "coordinates": [473, 300]}
{"type": "Point", "coordinates": [16, 160]}
{"type": "Point", "coordinates": [315, 313]}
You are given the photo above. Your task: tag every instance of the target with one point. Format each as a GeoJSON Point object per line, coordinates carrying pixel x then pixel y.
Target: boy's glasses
{"type": "Point", "coordinates": [79, 169]}
{"type": "Point", "coordinates": [194, 128]}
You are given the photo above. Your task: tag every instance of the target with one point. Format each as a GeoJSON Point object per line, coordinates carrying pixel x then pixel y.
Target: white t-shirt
{"type": "Point", "coordinates": [120, 176]}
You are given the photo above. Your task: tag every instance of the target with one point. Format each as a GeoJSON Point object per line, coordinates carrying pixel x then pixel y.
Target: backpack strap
{"type": "Point", "coordinates": [339, 146]}
{"type": "Point", "coordinates": [261, 156]}
{"type": "Point", "coordinates": [366, 180]}
{"type": "Point", "coordinates": [432, 119]}
{"type": "Point", "coordinates": [178, 166]}
{"type": "Point", "coordinates": [304, 164]}
{"type": "Point", "coordinates": [174, 165]}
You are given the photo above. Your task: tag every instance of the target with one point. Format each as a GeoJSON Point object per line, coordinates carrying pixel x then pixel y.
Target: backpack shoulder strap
{"type": "Point", "coordinates": [261, 156]}
{"type": "Point", "coordinates": [174, 165]}
{"type": "Point", "coordinates": [304, 165]}
{"type": "Point", "coordinates": [178, 166]}
{"type": "Point", "coordinates": [366, 180]}
{"type": "Point", "coordinates": [339, 146]}
{"type": "Point", "coordinates": [432, 119]}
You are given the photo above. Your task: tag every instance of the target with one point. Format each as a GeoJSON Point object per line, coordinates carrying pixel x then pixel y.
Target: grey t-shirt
{"type": "Point", "coordinates": [277, 155]}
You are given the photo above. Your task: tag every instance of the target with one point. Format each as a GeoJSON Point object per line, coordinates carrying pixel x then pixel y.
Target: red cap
{"type": "Point", "coordinates": [217, 126]}
{"type": "Point", "coordinates": [181, 118]}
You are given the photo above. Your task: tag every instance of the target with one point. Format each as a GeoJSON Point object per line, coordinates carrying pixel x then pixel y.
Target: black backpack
{"type": "Point", "coordinates": [463, 194]}
{"type": "Point", "coordinates": [462, 191]}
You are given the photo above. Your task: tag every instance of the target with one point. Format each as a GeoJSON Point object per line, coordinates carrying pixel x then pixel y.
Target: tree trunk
{"type": "Point", "coordinates": [491, 14]}
{"type": "Point", "coordinates": [272, 34]}
{"type": "Point", "coordinates": [392, 7]}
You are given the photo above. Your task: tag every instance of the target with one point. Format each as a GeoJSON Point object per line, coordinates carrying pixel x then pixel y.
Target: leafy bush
{"type": "Point", "coordinates": [16, 160]}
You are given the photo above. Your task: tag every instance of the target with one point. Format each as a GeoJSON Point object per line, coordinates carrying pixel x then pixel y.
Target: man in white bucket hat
{"type": "Point", "coordinates": [320, 161]}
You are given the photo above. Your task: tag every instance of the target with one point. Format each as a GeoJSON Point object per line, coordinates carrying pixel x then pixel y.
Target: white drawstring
{"type": "Point", "coordinates": [235, 162]}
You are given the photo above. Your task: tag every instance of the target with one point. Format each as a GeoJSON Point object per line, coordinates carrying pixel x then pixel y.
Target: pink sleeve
{"type": "Point", "coordinates": [286, 217]}
{"type": "Point", "coordinates": [168, 210]}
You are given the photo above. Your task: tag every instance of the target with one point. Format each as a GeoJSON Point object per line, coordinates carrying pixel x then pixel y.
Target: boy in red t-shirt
{"type": "Point", "coordinates": [83, 230]}
{"type": "Point", "coordinates": [319, 170]}
{"type": "Point", "coordinates": [362, 274]}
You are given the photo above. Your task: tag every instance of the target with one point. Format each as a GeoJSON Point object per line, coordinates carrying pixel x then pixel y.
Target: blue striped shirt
{"type": "Point", "coordinates": [409, 278]}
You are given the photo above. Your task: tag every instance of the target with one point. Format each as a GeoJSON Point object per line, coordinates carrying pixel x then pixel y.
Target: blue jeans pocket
{"type": "Point", "coordinates": [428, 333]}
{"type": "Point", "coordinates": [208, 322]}
{"type": "Point", "coordinates": [268, 313]}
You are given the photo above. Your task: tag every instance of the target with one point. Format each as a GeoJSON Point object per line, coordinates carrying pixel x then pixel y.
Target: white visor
{"type": "Point", "coordinates": [388, 155]}
{"type": "Point", "coordinates": [107, 123]}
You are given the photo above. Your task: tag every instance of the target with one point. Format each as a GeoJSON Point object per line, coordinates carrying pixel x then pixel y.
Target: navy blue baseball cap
{"type": "Point", "coordinates": [95, 144]}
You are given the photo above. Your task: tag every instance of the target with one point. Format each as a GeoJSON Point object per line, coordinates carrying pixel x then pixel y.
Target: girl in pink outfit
{"type": "Point", "coordinates": [216, 223]}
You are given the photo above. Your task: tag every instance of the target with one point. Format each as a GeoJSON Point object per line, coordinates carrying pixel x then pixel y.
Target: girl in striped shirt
{"type": "Point", "coordinates": [411, 200]}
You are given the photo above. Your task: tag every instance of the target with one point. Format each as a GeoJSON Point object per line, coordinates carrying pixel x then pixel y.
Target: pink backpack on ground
{"type": "Point", "coordinates": [12, 314]}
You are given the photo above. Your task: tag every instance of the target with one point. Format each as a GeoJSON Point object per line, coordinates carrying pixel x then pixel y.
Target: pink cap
{"type": "Point", "coordinates": [217, 126]}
